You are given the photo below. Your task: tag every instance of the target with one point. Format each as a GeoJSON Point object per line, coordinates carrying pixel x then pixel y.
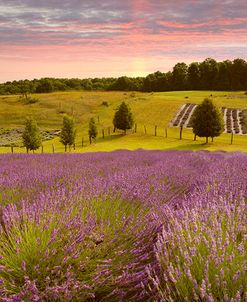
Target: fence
{"type": "Point", "coordinates": [107, 132]}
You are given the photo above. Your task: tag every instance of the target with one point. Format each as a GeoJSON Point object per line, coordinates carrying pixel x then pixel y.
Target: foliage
{"type": "Point", "coordinates": [92, 129]}
{"type": "Point", "coordinates": [45, 86]}
{"type": "Point", "coordinates": [207, 120]}
{"type": "Point", "coordinates": [203, 259]}
{"type": "Point", "coordinates": [68, 132]}
{"type": "Point", "coordinates": [180, 76]}
{"type": "Point", "coordinates": [31, 135]}
{"type": "Point", "coordinates": [123, 118]}
{"type": "Point", "coordinates": [28, 100]}
{"type": "Point", "coordinates": [206, 75]}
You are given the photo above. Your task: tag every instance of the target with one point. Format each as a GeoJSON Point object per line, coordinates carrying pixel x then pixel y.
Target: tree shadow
{"type": "Point", "coordinates": [193, 147]}
{"type": "Point", "coordinates": [108, 138]}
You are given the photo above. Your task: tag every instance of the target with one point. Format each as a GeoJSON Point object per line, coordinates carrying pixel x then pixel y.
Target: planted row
{"type": "Point", "coordinates": [123, 226]}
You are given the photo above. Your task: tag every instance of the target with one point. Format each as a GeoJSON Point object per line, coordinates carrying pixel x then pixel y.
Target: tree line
{"type": "Point", "coordinates": [207, 75]}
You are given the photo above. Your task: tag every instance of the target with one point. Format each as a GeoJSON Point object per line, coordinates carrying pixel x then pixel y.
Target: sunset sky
{"type": "Point", "coordinates": [101, 38]}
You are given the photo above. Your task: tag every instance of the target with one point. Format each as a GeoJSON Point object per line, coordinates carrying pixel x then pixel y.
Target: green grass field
{"type": "Point", "coordinates": [149, 109]}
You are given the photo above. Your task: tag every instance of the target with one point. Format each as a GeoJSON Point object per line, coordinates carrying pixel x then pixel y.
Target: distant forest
{"type": "Point", "coordinates": [207, 75]}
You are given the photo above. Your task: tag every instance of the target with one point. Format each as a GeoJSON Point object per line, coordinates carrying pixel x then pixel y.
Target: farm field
{"type": "Point", "coordinates": [149, 109]}
{"type": "Point", "coordinates": [123, 226]}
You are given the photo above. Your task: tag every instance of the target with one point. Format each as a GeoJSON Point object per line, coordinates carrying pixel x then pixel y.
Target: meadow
{"type": "Point", "coordinates": [123, 226]}
{"type": "Point", "coordinates": [149, 109]}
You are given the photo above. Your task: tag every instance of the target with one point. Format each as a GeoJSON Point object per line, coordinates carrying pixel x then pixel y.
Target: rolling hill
{"type": "Point", "coordinates": [149, 109]}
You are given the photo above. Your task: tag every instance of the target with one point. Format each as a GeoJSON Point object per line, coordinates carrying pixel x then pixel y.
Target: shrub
{"type": "Point", "coordinates": [104, 103]}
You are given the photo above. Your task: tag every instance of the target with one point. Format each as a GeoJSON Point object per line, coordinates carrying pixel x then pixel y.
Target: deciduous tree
{"type": "Point", "coordinates": [207, 120]}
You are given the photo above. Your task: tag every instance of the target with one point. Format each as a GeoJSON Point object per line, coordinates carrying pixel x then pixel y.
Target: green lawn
{"type": "Point", "coordinates": [149, 109]}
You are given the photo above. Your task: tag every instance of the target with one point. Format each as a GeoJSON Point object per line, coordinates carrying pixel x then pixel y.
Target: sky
{"type": "Point", "coordinates": [101, 38]}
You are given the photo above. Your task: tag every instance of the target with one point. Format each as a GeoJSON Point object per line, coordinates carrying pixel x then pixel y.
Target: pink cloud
{"type": "Point", "coordinates": [117, 35]}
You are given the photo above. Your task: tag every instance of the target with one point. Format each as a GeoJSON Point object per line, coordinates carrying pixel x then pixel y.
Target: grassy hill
{"type": "Point", "coordinates": [149, 109]}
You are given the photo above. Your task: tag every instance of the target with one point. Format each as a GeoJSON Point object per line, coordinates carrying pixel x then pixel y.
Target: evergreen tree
{"type": "Point", "coordinates": [31, 136]}
{"type": "Point", "coordinates": [92, 130]}
{"type": "Point", "coordinates": [68, 133]}
{"type": "Point", "coordinates": [207, 120]}
{"type": "Point", "coordinates": [123, 118]}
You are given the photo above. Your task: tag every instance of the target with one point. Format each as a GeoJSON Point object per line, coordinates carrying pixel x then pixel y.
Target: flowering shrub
{"type": "Point", "coordinates": [123, 226]}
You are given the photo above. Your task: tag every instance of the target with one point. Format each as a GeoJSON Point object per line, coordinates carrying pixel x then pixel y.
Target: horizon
{"type": "Point", "coordinates": [70, 39]}
{"type": "Point", "coordinates": [101, 77]}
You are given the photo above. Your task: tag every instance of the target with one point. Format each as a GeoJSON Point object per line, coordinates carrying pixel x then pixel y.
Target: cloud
{"type": "Point", "coordinates": [96, 30]}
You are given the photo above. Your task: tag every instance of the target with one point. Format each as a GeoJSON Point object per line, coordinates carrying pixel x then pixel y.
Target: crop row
{"type": "Point", "coordinates": [123, 226]}
{"type": "Point", "coordinates": [234, 119]}
{"type": "Point", "coordinates": [184, 115]}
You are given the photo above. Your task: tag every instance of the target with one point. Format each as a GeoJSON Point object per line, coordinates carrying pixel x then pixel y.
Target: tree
{"type": "Point", "coordinates": [45, 86]}
{"type": "Point", "coordinates": [180, 76]}
{"type": "Point", "coordinates": [92, 130]}
{"type": "Point", "coordinates": [239, 74]}
{"type": "Point", "coordinates": [207, 120]}
{"type": "Point", "coordinates": [209, 74]}
{"type": "Point", "coordinates": [224, 81]}
{"type": "Point", "coordinates": [123, 118]}
{"type": "Point", "coordinates": [31, 135]}
{"type": "Point", "coordinates": [68, 133]}
{"type": "Point", "coordinates": [194, 77]}
{"type": "Point", "coordinates": [24, 88]}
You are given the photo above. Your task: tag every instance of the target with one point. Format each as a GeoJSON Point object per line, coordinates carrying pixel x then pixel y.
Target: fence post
{"type": "Point", "coordinates": [145, 130]}
{"type": "Point", "coordinates": [82, 141]}
{"type": "Point", "coordinates": [135, 128]}
{"type": "Point", "coordinates": [166, 132]}
{"type": "Point", "coordinates": [103, 133]}
{"type": "Point", "coordinates": [42, 149]}
{"type": "Point", "coordinates": [195, 137]}
{"type": "Point", "coordinates": [155, 130]}
{"type": "Point", "coordinates": [181, 133]}
{"type": "Point", "coordinates": [231, 137]}
{"type": "Point", "coordinates": [12, 149]}
{"type": "Point", "coordinates": [74, 146]}
{"type": "Point", "coordinates": [53, 148]}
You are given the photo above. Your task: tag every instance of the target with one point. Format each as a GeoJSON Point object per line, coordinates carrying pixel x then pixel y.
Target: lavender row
{"type": "Point", "coordinates": [123, 226]}
{"type": "Point", "coordinates": [234, 119]}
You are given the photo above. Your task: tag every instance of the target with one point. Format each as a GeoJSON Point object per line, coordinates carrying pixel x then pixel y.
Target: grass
{"type": "Point", "coordinates": [149, 109]}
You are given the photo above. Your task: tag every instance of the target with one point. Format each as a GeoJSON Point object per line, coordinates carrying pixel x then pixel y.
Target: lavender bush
{"type": "Point", "coordinates": [123, 226]}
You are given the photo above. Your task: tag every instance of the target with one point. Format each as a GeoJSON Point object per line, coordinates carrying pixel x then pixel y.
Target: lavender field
{"type": "Point", "coordinates": [123, 226]}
